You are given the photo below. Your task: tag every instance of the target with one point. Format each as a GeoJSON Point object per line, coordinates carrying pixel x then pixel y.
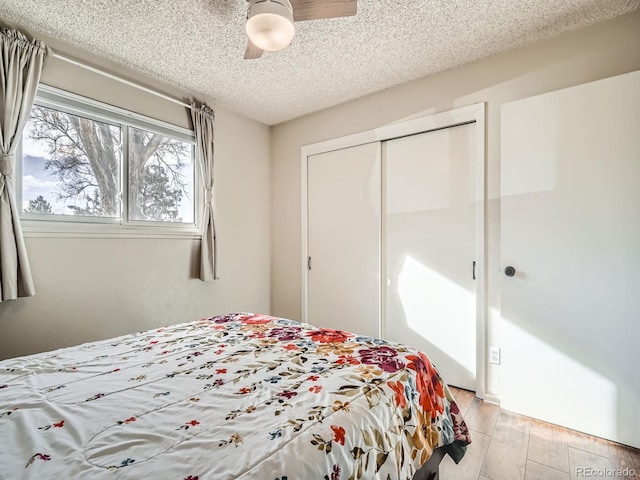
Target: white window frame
{"type": "Point", "coordinates": [43, 225]}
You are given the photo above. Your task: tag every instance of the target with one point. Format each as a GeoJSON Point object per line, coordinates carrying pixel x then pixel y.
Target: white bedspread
{"type": "Point", "coordinates": [237, 396]}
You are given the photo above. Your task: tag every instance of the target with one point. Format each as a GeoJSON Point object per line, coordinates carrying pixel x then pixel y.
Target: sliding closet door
{"type": "Point", "coordinates": [343, 191]}
{"type": "Point", "coordinates": [431, 247]}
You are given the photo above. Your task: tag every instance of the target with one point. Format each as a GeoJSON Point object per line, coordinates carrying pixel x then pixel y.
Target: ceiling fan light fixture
{"type": "Point", "coordinates": [270, 24]}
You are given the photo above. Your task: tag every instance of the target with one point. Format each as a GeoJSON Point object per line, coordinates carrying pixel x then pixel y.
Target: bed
{"type": "Point", "coordinates": [235, 396]}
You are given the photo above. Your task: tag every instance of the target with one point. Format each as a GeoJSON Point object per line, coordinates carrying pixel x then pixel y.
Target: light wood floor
{"type": "Point", "coordinates": [507, 446]}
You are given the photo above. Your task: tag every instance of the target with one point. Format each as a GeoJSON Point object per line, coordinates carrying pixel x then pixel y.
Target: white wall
{"type": "Point", "coordinates": [94, 288]}
{"type": "Point", "coordinates": [599, 51]}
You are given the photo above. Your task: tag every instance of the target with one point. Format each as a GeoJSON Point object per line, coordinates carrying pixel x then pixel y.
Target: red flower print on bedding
{"type": "Point", "coordinates": [59, 424]}
{"type": "Point", "coordinates": [257, 320]}
{"type": "Point", "coordinates": [338, 434]}
{"type": "Point", "coordinates": [383, 357]}
{"type": "Point", "coordinates": [428, 383]}
{"type": "Point", "coordinates": [285, 333]}
{"type": "Point", "coordinates": [350, 359]}
{"type": "Point", "coordinates": [230, 317]}
{"type": "Point", "coordinates": [399, 395]}
{"type": "Point", "coordinates": [38, 456]}
{"type": "Point", "coordinates": [329, 335]}
{"type": "Point", "coordinates": [127, 421]}
{"type": "Point", "coordinates": [288, 394]}
{"type": "Point", "coordinates": [189, 424]}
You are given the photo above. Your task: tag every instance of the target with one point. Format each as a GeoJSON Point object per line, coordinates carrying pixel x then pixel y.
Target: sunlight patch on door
{"type": "Point", "coordinates": [438, 310]}
{"type": "Point", "coordinates": [546, 383]}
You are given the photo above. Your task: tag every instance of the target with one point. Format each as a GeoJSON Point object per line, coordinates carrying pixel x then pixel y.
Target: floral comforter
{"type": "Point", "coordinates": [238, 396]}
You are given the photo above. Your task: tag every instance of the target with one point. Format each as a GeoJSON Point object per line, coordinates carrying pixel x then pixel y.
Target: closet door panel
{"type": "Point", "coordinates": [344, 239]}
{"type": "Point", "coordinates": [430, 221]}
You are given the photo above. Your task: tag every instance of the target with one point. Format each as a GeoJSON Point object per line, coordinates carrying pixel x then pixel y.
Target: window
{"type": "Point", "coordinates": [85, 164]}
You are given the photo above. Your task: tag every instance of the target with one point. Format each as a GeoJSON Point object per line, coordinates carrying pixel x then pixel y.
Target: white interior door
{"type": "Point", "coordinates": [570, 223]}
{"type": "Point", "coordinates": [430, 225]}
{"type": "Point", "coordinates": [343, 202]}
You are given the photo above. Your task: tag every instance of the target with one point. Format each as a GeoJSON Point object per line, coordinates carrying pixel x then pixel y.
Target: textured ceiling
{"type": "Point", "coordinates": [198, 45]}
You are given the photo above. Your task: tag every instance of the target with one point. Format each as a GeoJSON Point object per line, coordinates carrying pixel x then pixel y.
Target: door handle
{"type": "Point", "coordinates": [509, 271]}
{"type": "Point", "coordinates": [309, 263]}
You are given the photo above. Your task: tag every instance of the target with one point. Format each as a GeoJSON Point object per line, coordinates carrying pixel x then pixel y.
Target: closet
{"type": "Point", "coordinates": [392, 237]}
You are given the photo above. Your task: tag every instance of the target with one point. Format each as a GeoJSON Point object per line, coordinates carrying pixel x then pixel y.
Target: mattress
{"type": "Point", "coordinates": [236, 396]}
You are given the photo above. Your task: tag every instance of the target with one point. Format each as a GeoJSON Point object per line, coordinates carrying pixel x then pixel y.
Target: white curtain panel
{"type": "Point", "coordinates": [203, 118]}
{"type": "Point", "coordinates": [21, 63]}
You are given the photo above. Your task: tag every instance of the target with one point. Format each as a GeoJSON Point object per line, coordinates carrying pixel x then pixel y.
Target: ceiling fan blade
{"type": "Point", "coordinates": [317, 9]}
{"type": "Point", "coordinates": [252, 52]}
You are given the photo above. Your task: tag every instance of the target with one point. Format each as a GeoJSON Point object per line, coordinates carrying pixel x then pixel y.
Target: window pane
{"type": "Point", "coordinates": [70, 165]}
{"type": "Point", "coordinates": [160, 178]}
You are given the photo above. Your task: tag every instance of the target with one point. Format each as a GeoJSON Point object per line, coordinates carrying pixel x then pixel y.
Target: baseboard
{"type": "Point", "coordinates": [490, 398]}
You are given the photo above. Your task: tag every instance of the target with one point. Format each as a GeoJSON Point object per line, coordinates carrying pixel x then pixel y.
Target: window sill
{"type": "Point", "coordinates": [44, 229]}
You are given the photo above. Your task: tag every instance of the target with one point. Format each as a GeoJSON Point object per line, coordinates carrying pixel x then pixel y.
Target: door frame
{"type": "Point", "coordinates": [475, 113]}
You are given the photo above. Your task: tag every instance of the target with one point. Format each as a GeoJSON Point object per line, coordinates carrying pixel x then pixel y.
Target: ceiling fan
{"type": "Point", "coordinates": [270, 22]}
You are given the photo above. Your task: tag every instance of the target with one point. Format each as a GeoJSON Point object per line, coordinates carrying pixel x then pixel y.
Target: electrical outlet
{"type": "Point", "coordinates": [494, 355]}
